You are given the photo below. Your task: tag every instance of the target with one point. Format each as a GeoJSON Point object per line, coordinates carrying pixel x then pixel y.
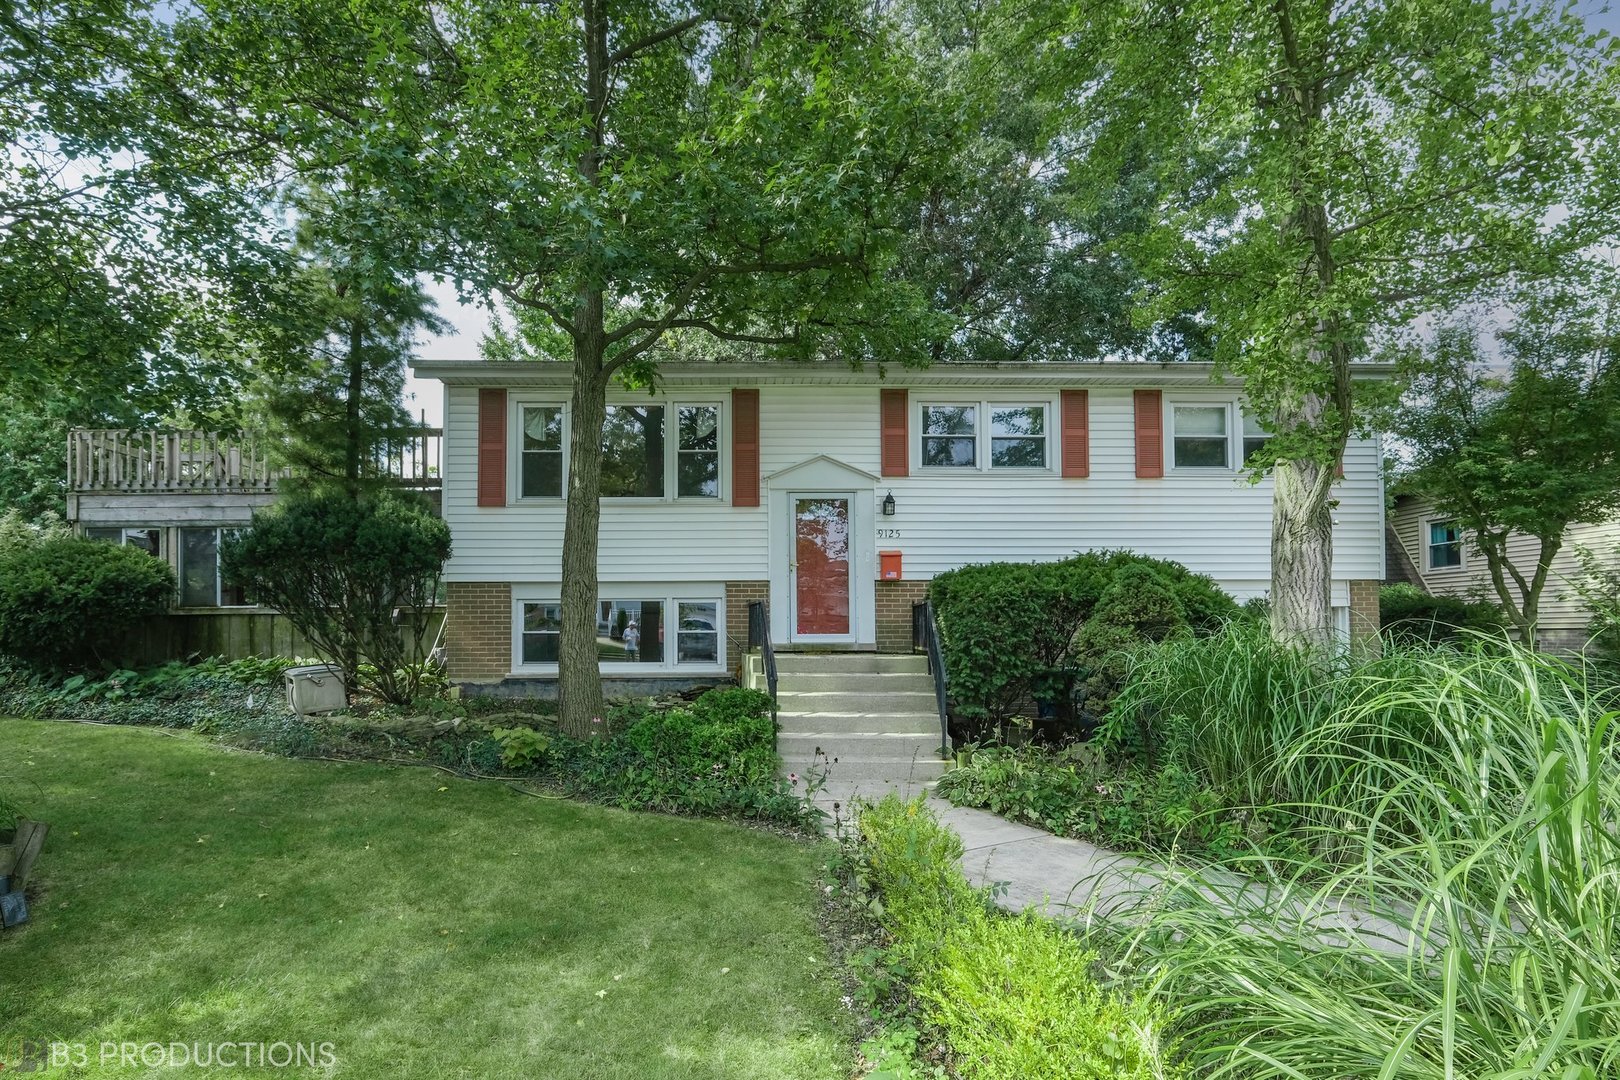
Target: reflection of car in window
{"type": "Point", "coordinates": [696, 624]}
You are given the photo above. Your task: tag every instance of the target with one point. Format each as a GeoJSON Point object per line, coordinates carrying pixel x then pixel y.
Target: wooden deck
{"type": "Point", "coordinates": [125, 461]}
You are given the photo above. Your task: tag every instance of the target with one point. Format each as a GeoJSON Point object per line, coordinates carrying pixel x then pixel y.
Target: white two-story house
{"type": "Point", "coordinates": [835, 495]}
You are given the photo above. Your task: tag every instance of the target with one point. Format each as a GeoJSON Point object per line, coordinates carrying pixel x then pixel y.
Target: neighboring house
{"type": "Point", "coordinates": [1441, 559]}
{"type": "Point", "coordinates": [835, 495]}
{"type": "Point", "coordinates": [175, 495]}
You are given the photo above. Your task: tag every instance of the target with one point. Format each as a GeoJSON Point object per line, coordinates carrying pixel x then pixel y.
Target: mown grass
{"type": "Point", "coordinates": [425, 926]}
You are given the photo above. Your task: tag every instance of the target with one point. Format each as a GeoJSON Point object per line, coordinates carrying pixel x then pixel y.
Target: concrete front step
{"type": "Point", "coordinates": [859, 745]}
{"type": "Point", "coordinates": [867, 772]}
{"type": "Point", "coordinates": [865, 682]}
{"type": "Point", "coordinates": [841, 664]}
{"type": "Point", "coordinates": [855, 723]}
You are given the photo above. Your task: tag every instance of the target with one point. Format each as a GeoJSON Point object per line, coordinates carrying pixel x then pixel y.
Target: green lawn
{"type": "Point", "coordinates": [425, 926]}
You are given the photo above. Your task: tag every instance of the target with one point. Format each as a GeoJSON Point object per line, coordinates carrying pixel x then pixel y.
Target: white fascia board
{"type": "Point", "coordinates": [1109, 373]}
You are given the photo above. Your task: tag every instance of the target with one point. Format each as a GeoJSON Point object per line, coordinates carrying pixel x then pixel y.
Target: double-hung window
{"type": "Point", "coordinates": [1200, 436]}
{"type": "Point", "coordinates": [1445, 545]}
{"type": "Point", "coordinates": [540, 470]}
{"type": "Point", "coordinates": [540, 631]}
{"type": "Point", "coordinates": [1018, 436]}
{"type": "Point", "coordinates": [956, 436]}
{"type": "Point", "coordinates": [697, 460]}
{"type": "Point", "coordinates": [1255, 438]}
{"type": "Point", "coordinates": [950, 436]}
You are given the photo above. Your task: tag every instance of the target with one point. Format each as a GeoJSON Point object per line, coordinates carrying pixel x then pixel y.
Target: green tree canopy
{"type": "Point", "coordinates": [1531, 446]}
{"type": "Point", "coordinates": [1326, 171]}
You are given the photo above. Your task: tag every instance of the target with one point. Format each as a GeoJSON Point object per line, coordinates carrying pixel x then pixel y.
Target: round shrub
{"type": "Point", "coordinates": [1410, 616]}
{"type": "Point", "coordinates": [67, 603]}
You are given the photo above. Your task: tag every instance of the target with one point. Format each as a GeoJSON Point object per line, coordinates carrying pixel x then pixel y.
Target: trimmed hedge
{"type": "Point", "coordinates": [1012, 631]}
{"type": "Point", "coordinates": [66, 603]}
{"type": "Point", "coordinates": [1410, 616]}
{"type": "Point", "coordinates": [1013, 996]}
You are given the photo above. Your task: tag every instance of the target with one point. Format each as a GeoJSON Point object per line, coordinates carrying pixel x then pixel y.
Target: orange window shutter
{"type": "Point", "coordinates": [745, 447]}
{"type": "Point", "coordinates": [1076, 433]}
{"type": "Point", "coordinates": [1149, 433]}
{"type": "Point", "coordinates": [491, 447]}
{"type": "Point", "coordinates": [896, 443]}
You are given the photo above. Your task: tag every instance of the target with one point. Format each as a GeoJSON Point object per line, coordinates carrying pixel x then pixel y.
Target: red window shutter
{"type": "Point", "coordinates": [745, 447]}
{"type": "Point", "coordinates": [1149, 433]}
{"type": "Point", "coordinates": [491, 447]}
{"type": "Point", "coordinates": [1076, 433]}
{"type": "Point", "coordinates": [896, 444]}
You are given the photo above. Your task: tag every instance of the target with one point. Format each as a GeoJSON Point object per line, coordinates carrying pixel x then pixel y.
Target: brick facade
{"type": "Point", "coordinates": [894, 600]}
{"type": "Point", "coordinates": [739, 594]}
{"type": "Point", "coordinates": [1364, 622]}
{"type": "Point", "coordinates": [478, 637]}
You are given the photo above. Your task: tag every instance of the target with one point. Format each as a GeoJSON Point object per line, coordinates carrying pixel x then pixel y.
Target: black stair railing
{"type": "Point", "coordinates": [925, 639]}
{"type": "Point", "coordinates": [759, 637]}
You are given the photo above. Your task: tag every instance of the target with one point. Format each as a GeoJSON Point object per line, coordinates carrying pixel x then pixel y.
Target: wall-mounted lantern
{"type": "Point", "coordinates": [888, 505]}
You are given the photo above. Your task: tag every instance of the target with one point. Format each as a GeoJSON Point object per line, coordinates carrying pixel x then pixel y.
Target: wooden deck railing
{"type": "Point", "coordinates": [179, 461]}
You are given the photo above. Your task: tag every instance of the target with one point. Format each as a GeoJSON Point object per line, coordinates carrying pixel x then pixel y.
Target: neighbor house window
{"type": "Point", "coordinates": [630, 632]}
{"type": "Point", "coordinates": [1018, 436]}
{"type": "Point", "coordinates": [145, 539]}
{"type": "Point", "coordinates": [950, 436]}
{"type": "Point", "coordinates": [697, 638]}
{"type": "Point", "coordinates": [697, 462]}
{"type": "Point", "coordinates": [1255, 437]}
{"type": "Point", "coordinates": [541, 469]}
{"type": "Point", "coordinates": [1445, 545]}
{"type": "Point", "coordinates": [202, 582]}
{"type": "Point", "coordinates": [542, 630]}
{"type": "Point", "coordinates": [1200, 436]}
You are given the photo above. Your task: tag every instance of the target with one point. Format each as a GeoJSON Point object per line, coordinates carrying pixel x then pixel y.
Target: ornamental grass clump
{"type": "Point", "coordinates": [1457, 910]}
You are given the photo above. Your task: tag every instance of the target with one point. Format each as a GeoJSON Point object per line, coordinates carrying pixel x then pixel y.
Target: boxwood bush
{"type": "Point", "coordinates": [66, 603]}
{"type": "Point", "coordinates": [1015, 631]}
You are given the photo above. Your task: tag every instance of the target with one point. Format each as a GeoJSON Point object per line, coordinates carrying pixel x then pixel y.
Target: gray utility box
{"type": "Point", "coordinates": [316, 688]}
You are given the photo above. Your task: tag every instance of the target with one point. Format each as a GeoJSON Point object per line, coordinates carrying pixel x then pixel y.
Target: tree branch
{"type": "Point", "coordinates": [660, 36]}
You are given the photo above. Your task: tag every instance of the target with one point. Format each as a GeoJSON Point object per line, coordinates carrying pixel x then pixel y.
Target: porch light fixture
{"type": "Point", "coordinates": [888, 505]}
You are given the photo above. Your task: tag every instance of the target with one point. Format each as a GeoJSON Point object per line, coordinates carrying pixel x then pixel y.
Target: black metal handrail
{"type": "Point", "coordinates": [925, 639]}
{"type": "Point", "coordinates": [759, 637]}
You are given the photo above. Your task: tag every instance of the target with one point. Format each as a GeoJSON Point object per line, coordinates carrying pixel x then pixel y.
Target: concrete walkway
{"type": "Point", "coordinates": [1071, 879]}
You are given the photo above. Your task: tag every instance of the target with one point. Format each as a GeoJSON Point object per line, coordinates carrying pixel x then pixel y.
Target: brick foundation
{"type": "Point", "coordinates": [478, 637]}
{"type": "Point", "coordinates": [1364, 623]}
{"type": "Point", "coordinates": [894, 600]}
{"type": "Point", "coordinates": [739, 594]}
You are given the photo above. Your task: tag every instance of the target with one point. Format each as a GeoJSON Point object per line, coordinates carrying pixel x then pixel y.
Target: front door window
{"type": "Point", "coordinates": [821, 557]}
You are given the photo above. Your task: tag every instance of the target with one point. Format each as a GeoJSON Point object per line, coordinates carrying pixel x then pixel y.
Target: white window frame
{"type": "Point", "coordinates": [1425, 537]}
{"type": "Point", "coordinates": [670, 595]}
{"type": "Point", "coordinates": [219, 570]}
{"type": "Point", "coordinates": [1243, 418]}
{"type": "Point", "coordinates": [982, 437]}
{"type": "Point", "coordinates": [672, 447]}
{"type": "Point", "coordinates": [1234, 442]}
{"type": "Point", "coordinates": [515, 465]}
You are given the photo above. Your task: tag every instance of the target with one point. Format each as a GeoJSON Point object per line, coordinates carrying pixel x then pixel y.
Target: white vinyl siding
{"type": "Point", "coordinates": [1561, 608]}
{"type": "Point", "coordinates": [944, 518]}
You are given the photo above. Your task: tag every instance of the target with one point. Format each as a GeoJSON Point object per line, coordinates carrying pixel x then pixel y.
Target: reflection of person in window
{"type": "Point", "coordinates": [632, 639]}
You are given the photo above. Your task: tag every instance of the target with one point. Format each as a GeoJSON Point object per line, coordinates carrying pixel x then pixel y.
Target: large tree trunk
{"type": "Point", "coordinates": [580, 669]}
{"type": "Point", "coordinates": [1301, 555]}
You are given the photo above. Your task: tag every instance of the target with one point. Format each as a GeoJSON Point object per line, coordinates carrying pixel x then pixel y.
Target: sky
{"type": "Point", "coordinates": [469, 322]}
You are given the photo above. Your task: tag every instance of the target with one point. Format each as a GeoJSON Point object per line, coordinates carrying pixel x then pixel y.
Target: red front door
{"type": "Point", "coordinates": [821, 557]}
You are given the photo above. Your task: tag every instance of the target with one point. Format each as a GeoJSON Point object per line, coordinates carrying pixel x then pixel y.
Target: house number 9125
{"type": "Point", "coordinates": [888, 534]}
